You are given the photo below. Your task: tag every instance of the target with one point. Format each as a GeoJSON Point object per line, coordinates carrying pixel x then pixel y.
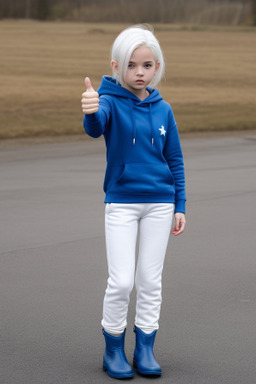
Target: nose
{"type": "Point", "coordinates": [140, 71]}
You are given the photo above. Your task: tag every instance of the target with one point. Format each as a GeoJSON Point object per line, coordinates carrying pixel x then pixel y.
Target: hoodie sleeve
{"type": "Point", "coordinates": [95, 124]}
{"type": "Point", "coordinates": [174, 158]}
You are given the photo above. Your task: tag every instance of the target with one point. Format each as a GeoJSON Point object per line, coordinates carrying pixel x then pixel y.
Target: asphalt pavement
{"type": "Point", "coordinates": [53, 270]}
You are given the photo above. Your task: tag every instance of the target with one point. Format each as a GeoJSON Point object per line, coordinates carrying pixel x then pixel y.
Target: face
{"type": "Point", "coordinates": [140, 72]}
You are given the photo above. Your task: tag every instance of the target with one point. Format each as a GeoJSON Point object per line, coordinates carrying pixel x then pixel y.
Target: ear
{"type": "Point", "coordinates": [114, 66]}
{"type": "Point", "coordinates": [157, 66]}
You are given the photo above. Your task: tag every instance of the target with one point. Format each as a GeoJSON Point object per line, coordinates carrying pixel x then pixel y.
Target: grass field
{"type": "Point", "coordinates": [210, 78]}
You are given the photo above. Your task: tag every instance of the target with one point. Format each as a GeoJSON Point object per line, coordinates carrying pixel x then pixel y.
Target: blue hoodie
{"type": "Point", "coordinates": [144, 157]}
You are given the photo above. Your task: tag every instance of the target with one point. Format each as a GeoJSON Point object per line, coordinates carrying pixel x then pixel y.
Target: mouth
{"type": "Point", "coordinates": [139, 82]}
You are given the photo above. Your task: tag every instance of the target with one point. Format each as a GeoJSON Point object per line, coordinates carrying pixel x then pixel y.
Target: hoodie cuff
{"type": "Point", "coordinates": [93, 117]}
{"type": "Point", "coordinates": [180, 206]}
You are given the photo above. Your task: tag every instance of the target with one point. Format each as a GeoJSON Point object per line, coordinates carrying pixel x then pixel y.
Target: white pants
{"type": "Point", "coordinates": [122, 222]}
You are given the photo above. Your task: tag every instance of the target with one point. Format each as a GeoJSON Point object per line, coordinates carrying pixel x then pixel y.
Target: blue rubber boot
{"type": "Point", "coordinates": [114, 360]}
{"type": "Point", "coordinates": [144, 359]}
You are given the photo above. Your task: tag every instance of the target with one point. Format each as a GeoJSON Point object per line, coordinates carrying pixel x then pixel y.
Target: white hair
{"type": "Point", "coordinates": [125, 44]}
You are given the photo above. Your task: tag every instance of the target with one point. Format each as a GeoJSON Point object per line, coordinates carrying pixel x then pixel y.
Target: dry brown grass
{"type": "Point", "coordinates": [210, 80]}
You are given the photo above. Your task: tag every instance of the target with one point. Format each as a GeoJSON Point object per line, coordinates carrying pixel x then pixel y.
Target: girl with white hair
{"type": "Point", "coordinates": [145, 188]}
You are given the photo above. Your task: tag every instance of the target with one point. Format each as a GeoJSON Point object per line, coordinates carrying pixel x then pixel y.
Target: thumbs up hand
{"type": "Point", "coordinates": [90, 98]}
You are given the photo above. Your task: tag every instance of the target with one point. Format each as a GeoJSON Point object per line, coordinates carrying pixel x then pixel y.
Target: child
{"type": "Point", "coordinates": [144, 185]}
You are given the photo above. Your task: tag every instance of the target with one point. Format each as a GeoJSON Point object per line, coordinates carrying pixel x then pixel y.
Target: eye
{"type": "Point", "coordinates": [148, 65]}
{"type": "Point", "coordinates": [130, 65]}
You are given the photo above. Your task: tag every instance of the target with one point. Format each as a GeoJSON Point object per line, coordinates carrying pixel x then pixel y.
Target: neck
{"type": "Point", "coordinates": [142, 94]}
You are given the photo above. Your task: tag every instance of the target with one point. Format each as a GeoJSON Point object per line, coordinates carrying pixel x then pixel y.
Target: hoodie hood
{"type": "Point", "coordinates": [109, 86]}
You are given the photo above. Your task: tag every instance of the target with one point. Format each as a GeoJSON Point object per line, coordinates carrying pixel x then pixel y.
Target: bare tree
{"type": "Point", "coordinates": [28, 9]}
{"type": "Point", "coordinates": [134, 11]}
{"type": "Point", "coordinates": [43, 9]}
{"type": "Point", "coordinates": [253, 5]}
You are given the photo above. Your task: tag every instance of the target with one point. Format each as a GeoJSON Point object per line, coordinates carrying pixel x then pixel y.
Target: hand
{"type": "Point", "coordinates": [90, 98]}
{"type": "Point", "coordinates": [180, 223]}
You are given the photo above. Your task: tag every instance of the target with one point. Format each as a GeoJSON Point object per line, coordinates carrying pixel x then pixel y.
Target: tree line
{"type": "Point", "coordinates": [162, 11]}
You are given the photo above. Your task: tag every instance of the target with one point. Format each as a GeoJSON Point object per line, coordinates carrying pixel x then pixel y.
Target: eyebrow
{"type": "Point", "coordinates": [145, 62]}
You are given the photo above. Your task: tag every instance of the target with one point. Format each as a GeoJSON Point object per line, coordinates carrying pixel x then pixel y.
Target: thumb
{"type": "Point", "coordinates": [89, 87]}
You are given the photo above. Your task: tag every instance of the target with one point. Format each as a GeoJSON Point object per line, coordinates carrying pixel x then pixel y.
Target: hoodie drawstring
{"type": "Point", "coordinates": [151, 125]}
{"type": "Point", "coordinates": [134, 125]}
